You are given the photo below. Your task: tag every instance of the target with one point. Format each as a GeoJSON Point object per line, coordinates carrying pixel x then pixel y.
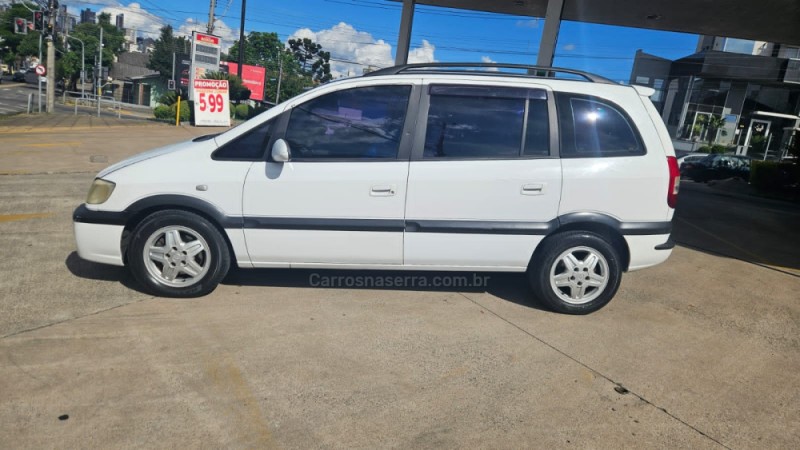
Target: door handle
{"type": "Point", "coordinates": [532, 189]}
{"type": "Point", "coordinates": [382, 191]}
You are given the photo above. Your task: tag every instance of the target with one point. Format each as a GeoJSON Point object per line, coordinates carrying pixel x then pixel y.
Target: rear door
{"type": "Point", "coordinates": [485, 178]}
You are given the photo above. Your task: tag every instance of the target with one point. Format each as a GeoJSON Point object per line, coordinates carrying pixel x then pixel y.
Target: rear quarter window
{"type": "Point", "coordinates": [591, 128]}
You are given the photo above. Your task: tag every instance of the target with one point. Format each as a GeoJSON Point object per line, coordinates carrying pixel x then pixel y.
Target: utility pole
{"type": "Point", "coordinates": [38, 78]}
{"type": "Point", "coordinates": [280, 77]}
{"type": "Point", "coordinates": [211, 8]}
{"type": "Point", "coordinates": [99, 74]}
{"type": "Point", "coordinates": [241, 41]}
{"type": "Point", "coordinates": [52, 7]}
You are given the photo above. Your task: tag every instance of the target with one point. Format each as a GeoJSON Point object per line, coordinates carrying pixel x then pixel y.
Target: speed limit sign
{"type": "Point", "coordinates": [41, 70]}
{"type": "Point", "coordinates": [211, 105]}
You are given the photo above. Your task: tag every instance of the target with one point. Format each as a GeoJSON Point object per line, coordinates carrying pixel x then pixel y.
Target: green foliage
{"type": "Point", "coordinates": [314, 61]}
{"type": "Point", "coordinates": [236, 90]}
{"type": "Point", "coordinates": [17, 46]}
{"type": "Point", "coordinates": [163, 112]}
{"type": "Point", "coordinates": [774, 176]}
{"type": "Point", "coordinates": [243, 111]}
{"type": "Point", "coordinates": [716, 148]}
{"type": "Point", "coordinates": [267, 50]}
{"type": "Point", "coordinates": [758, 144]}
{"type": "Point", "coordinates": [165, 46]}
{"type": "Point", "coordinates": [185, 111]}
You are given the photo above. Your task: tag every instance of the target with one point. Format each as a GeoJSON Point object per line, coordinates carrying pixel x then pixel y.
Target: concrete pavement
{"type": "Point", "coordinates": [63, 143]}
{"type": "Point", "coordinates": [701, 352]}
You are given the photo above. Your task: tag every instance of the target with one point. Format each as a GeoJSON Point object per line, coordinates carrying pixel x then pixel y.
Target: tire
{"type": "Point", "coordinates": [194, 263]}
{"type": "Point", "coordinates": [584, 253]}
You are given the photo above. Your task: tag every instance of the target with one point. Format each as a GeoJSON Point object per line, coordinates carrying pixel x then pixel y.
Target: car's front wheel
{"type": "Point", "coordinates": [176, 253]}
{"type": "Point", "coordinates": [576, 272]}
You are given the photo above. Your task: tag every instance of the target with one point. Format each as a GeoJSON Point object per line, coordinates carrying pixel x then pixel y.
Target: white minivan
{"type": "Point", "coordinates": [464, 167]}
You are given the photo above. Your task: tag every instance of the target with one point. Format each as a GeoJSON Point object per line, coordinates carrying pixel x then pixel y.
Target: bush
{"type": "Point", "coordinates": [162, 112]}
{"type": "Point", "coordinates": [716, 148]}
{"type": "Point", "coordinates": [242, 111]}
{"type": "Point", "coordinates": [774, 176]}
{"type": "Point", "coordinates": [185, 112]}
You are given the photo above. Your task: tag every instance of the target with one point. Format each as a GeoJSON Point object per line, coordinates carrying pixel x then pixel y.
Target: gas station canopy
{"type": "Point", "coordinates": [772, 20]}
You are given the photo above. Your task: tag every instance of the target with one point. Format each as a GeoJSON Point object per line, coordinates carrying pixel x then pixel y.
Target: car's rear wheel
{"type": "Point", "coordinates": [576, 272]}
{"type": "Point", "coordinates": [178, 254]}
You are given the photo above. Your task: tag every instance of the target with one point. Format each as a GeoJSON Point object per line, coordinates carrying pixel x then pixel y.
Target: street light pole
{"type": "Point", "coordinates": [83, 66]}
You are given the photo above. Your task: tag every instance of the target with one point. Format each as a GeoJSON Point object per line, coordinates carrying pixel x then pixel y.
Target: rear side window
{"type": "Point", "coordinates": [468, 122]}
{"type": "Point", "coordinates": [593, 128]}
{"type": "Point", "coordinates": [361, 123]}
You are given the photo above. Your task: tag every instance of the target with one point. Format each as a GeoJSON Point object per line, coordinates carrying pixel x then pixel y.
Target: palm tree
{"type": "Point", "coordinates": [715, 124]}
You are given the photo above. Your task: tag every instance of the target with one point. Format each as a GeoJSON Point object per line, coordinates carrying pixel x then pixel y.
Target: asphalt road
{"type": "Point", "coordinates": [751, 229]}
{"type": "Point", "coordinates": [702, 351]}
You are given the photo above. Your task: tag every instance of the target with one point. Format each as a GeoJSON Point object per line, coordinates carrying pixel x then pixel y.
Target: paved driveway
{"type": "Point", "coordinates": [702, 351]}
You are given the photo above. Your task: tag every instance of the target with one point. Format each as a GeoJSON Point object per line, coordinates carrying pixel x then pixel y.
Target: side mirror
{"type": "Point", "coordinates": [280, 151]}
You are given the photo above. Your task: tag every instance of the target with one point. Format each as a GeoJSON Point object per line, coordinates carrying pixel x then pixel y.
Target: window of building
{"type": "Point", "coordinates": [477, 122]}
{"type": "Point", "coordinates": [362, 123]}
{"type": "Point", "coordinates": [248, 147]}
{"type": "Point", "coordinates": [744, 46]}
{"type": "Point", "coordinates": [594, 128]}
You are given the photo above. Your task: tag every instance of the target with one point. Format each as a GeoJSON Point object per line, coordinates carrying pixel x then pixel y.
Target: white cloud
{"type": "Point", "coordinates": [487, 60]}
{"type": "Point", "coordinates": [532, 23]}
{"type": "Point", "coordinates": [352, 51]}
{"type": "Point", "coordinates": [145, 22]}
{"type": "Point", "coordinates": [226, 33]}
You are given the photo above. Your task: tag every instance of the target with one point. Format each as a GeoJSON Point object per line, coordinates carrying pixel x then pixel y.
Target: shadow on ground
{"type": "Point", "coordinates": [512, 287]}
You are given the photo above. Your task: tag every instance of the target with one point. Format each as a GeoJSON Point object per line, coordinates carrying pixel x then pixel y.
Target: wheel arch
{"type": "Point", "coordinates": [143, 208]}
{"type": "Point", "coordinates": [605, 226]}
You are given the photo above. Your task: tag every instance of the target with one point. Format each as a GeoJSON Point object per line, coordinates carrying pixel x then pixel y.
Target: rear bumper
{"type": "Point", "coordinates": [649, 250]}
{"type": "Point", "coordinates": [97, 242]}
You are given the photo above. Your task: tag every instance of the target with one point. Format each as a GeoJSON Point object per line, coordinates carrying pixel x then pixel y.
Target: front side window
{"type": "Point", "coordinates": [248, 147]}
{"type": "Point", "coordinates": [361, 123]}
{"type": "Point", "coordinates": [593, 128]}
{"type": "Point", "coordinates": [486, 122]}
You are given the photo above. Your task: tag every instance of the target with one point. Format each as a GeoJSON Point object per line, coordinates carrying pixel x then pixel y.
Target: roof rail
{"type": "Point", "coordinates": [482, 69]}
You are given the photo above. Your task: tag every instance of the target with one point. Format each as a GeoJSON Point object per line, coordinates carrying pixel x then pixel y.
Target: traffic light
{"type": "Point", "coordinates": [20, 25]}
{"type": "Point", "coordinates": [38, 20]}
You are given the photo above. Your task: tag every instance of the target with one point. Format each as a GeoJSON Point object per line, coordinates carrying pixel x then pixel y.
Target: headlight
{"type": "Point", "coordinates": [100, 191]}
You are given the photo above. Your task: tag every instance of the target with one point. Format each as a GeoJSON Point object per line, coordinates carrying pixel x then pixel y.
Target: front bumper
{"type": "Point", "coordinates": [97, 242]}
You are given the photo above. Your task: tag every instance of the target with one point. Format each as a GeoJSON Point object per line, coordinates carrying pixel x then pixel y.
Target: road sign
{"type": "Point", "coordinates": [211, 104]}
{"type": "Point", "coordinates": [41, 70]}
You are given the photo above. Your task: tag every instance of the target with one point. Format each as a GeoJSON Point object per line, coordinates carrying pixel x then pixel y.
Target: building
{"type": "Point", "coordinates": [88, 16]}
{"type": "Point", "coordinates": [753, 85]}
{"type": "Point", "coordinates": [120, 21]}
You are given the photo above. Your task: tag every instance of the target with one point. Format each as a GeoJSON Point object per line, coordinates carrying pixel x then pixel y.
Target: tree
{"type": "Point", "coordinates": [715, 124]}
{"type": "Point", "coordinates": [14, 46]}
{"type": "Point", "coordinates": [236, 90]}
{"type": "Point", "coordinates": [268, 51]}
{"type": "Point", "coordinates": [165, 46]}
{"type": "Point", "coordinates": [313, 60]}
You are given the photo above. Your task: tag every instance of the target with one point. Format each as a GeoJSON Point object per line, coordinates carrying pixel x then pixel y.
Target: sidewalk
{"type": "Point", "coordinates": [62, 121]}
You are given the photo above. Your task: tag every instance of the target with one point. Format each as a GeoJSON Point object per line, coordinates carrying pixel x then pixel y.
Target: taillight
{"type": "Point", "coordinates": [674, 181]}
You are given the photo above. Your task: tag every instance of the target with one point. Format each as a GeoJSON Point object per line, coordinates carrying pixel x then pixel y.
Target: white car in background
{"type": "Point", "coordinates": [416, 167]}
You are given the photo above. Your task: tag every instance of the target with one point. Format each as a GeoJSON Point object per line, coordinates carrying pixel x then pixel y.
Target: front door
{"type": "Point", "coordinates": [340, 199]}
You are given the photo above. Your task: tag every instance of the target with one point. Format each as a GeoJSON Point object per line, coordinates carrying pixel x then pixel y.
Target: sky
{"type": "Point", "coordinates": [361, 33]}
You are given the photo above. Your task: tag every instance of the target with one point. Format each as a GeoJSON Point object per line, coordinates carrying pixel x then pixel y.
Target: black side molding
{"type": "Point", "coordinates": [480, 227]}
{"type": "Point", "coordinates": [669, 245]}
{"type": "Point", "coordinates": [625, 228]}
{"type": "Point", "coordinates": [292, 223]}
